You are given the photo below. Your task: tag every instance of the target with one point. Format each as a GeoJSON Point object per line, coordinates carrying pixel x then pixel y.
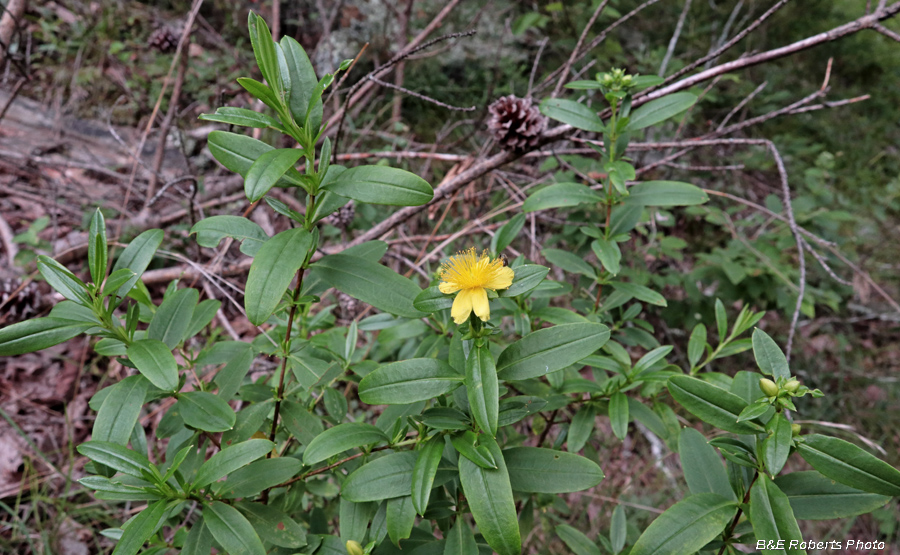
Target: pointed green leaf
{"type": "Point", "coordinates": [561, 195]}
{"type": "Point", "coordinates": [120, 410]}
{"type": "Point", "coordinates": [460, 540]}
{"type": "Point", "coordinates": [267, 170]}
{"type": "Point", "coordinates": [408, 381]}
{"type": "Point", "coordinates": [711, 404]}
{"type": "Point", "coordinates": [574, 113]}
{"type": "Point", "coordinates": [273, 525]}
{"type": "Point", "coordinates": [686, 526]}
{"type": "Point", "coordinates": [232, 530]}
{"type": "Point", "coordinates": [549, 350]}
{"type": "Point", "coordinates": [38, 334]}
{"type": "Point", "coordinates": [139, 529]}
{"type": "Point", "coordinates": [772, 517]}
{"type": "Point", "coordinates": [581, 427]}
{"type": "Point", "coordinates": [155, 361]}
{"type": "Point", "coordinates": [342, 437]}
{"type": "Point", "coordinates": [703, 470]}
{"type": "Point", "coordinates": [137, 256]}
{"type": "Point", "coordinates": [172, 318]}
{"type": "Point", "coordinates": [815, 497]}
{"type": "Point", "coordinates": [400, 518]}
{"type": "Point", "coordinates": [660, 109]}
{"type": "Point", "coordinates": [382, 185]}
{"type": "Point", "coordinates": [116, 456]}
{"type": "Point", "coordinates": [272, 271]}
{"type": "Point", "coordinates": [230, 459]}
{"type": "Point", "coordinates": [539, 470]}
{"type": "Point", "coordinates": [259, 475]}
{"type": "Point", "coordinates": [850, 465]}
{"type": "Point", "coordinates": [576, 541]}
{"type": "Point", "coordinates": [491, 500]}
{"type": "Point", "coordinates": [777, 446]}
{"type": "Point", "coordinates": [205, 411]}
{"type": "Point", "coordinates": [483, 389]}
{"type": "Point", "coordinates": [210, 232]}
{"type": "Point", "coordinates": [769, 357]}
{"type": "Point", "coordinates": [427, 460]}
{"type": "Point", "coordinates": [618, 414]}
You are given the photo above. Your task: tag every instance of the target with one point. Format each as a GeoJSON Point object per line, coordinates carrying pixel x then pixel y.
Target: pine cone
{"type": "Point", "coordinates": [165, 39]}
{"type": "Point", "coordinates": [342, 218]}
{"type": "Point", "coordinates": [25, 304]}
{"type": "Point", "coordinates": [515, 123]}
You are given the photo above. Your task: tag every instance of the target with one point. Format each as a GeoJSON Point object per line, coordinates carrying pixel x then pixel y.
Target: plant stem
{"type": "Point", "coordinates": [287, 349]}
{"type": "Point", "coordinates": [737, 517]}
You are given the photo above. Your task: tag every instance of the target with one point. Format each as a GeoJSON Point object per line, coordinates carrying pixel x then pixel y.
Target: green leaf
{"type": "Point", "coordinates": [387, 477]}
{"type": "Point", "coordinates": [272, 271]}
{"type": "Point", "coordinates": [539, 470]}
{"type": "Point", "coordinates": [549, 350]}
{"type": "Point", "coordinates": [408, 381]}
{"type": "Point", "coordinates": [63, 281]}
{"type": "Point", "coordinates": [561, 195]}
{"type": "Point", "coordinates": [242, 117]}
{"type": "Point", "coordinates": [526, 278]}
{"type": "Point", "coordinates": [465, 444]}
{"type": "Point", "coordinates": [460, 540]}
{"type": "Point", "coordinates": [815, 497]}
{"type": "Point", "coordinates": [507, 233]}
{"type": "Point", "coordinates": [483, 389]}
{"type": "Point", "coordinates": [618, 414]}
{"type": "Point", "coordinates": [382, 185]}
{"type": "Point", "coordinates": [618, 529]}
{"type": "Point", "coordinates": [198, 541]}
{"type": "Point", "coordinates": [660, 110]}
{"type": "Point", "coordinates": [229, 460]}
{"type": "Point", "coordinates": [205, 411]}
{"type": "Point", "coordinates": [117, 279]}
{"type": "Point", "coordinates": [303, 81]}
{"type": "Point", "coordinates": [569, 262]}
{"type": "Point", "coordinates": [754, 409]}
{"type": "Point", "coordinates": [371, 283]}
{"type": "Point", "coordinates": [777, 446]}
{"type": "Point", "coordinates": [696, 345]}
{"type": "Point", "coordinates": [202, 316]}
{"type": "Point", "coordinates": [116, 456]}
{"type": "Point", "coordinates": [581, 428]}
{"type": "Point", "coordinates": [772, 517]}
{"type": "Point", "coordinates": [686, 526]}
{"type": "Point", "coordinates": [137, 256]}
{"type": "Point", "coordinates": [640, 293]}
{"type": "Point", "coordinates": [354, 519]}
{"type": "Point", "coordinates": [266, 170]}
{"type": "Point", "coordinates": [400, 518]}
{"type": "Point", "coordinates": [427, 460]}
{"type": "Point", "coordinates": [139, 529]}
{"type": "Point", "coordinates": [850, 465]}
{"type": "Point", "coordinates": [576, 540]}
{"type": "Point", "coordinates": [210, 232]}
{"type": "Point", "coordinates": [665, 193]}
{"type": "Point", "coordinates": [97, 251]}
{"type": "Point", "coordinates": [257, 476]}
{"type": "Point", "coordinates": [574, 113]}
{"type": "Point", "coordinates": [340, 438]}
{"type": "Point", "coordinates": [238, 152]}
{"type": "Point", "coordinates": [300, 422]}
{"type": "Point", "coordinates": [703, 469]}
{"type": "Point", "coordinates": [432, 300]}
{"type": "Point", "coordinates": [608, 254]}
{"type": "Point", "coordinates": [264, 50]}
{"type": "Point", "coordinates": [38, 334]}
{"type": "Point", "coordinates": [769, 357]}
{"type": "Point", "coordinates": [155, 361]}
{"type": "Point", "coordinates": [721, 321]}
{"type": "Point", "coordinates": [233, 532]}
{"type": "Point", "coordinates": [173, 317]}
{"type": "Point", "coordinates": [120, 410]}
{"type": "Point", "coordinates": [491, 500]}
{"type": "Point", "coordinates": [273, 525]}
{"type": "Point", "coordinates": [260, 91]}
{"type": "Point", "coordinates": [711, 404]}
{"type": "Point", "coordinates": [583, 85]}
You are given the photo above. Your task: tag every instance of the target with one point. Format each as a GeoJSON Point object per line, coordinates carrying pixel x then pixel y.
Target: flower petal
{"type": "Point", "coordinates": [448, 287]}
{"type": "Point", "coordinates": [502, 278]}
{"type": "Point", "coordinates": [462, 306]}
{"type": "Point", "coordinates": [480, 303]}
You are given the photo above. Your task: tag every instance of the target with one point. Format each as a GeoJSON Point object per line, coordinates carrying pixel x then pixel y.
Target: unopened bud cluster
{"type": "Point", "coordinates": [616, 80]}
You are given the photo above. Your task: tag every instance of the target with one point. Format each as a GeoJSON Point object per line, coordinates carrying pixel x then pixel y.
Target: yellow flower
{"type": "Point", "coordinates": [471, 275]}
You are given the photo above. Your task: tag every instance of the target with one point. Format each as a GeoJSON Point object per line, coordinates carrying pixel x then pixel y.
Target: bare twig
{"type": "Point", "coordinates": [421, 96]}
{"type": "Point", "coordinates": [674, 40]}
{"type": "Point", "coordinates": [574, 55]}
{"type": "Point", "coordinates": [9, 24]}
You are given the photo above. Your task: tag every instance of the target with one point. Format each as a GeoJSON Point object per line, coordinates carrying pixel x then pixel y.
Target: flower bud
{"type": "Point", "coordinates": [768, 387]}
{"type": "Point", "coordinates": [795, 430]}
{"type": "Point", "coordinates": [792, 385]}
{"type": "Point", "coordinates": [353, 548]}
